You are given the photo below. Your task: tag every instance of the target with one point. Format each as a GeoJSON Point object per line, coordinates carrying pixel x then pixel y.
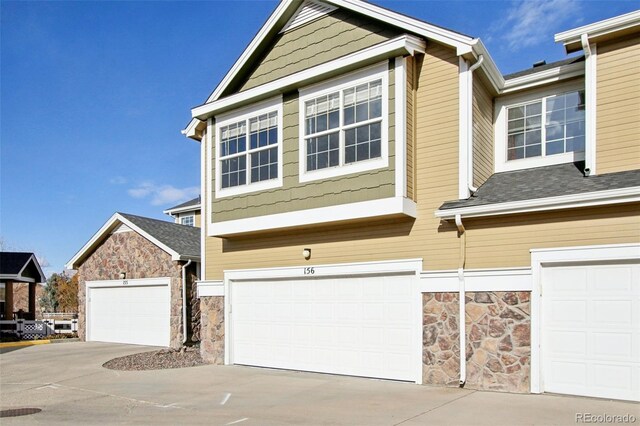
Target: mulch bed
{"type": "Point", "coordinates": [157, 360]}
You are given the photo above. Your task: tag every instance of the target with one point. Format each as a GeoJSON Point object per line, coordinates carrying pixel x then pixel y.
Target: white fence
{"type": "Point", "coordinates": [38, 329]}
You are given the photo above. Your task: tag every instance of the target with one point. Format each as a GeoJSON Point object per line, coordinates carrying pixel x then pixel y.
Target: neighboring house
{"type": "Point", "coordinates": [136, 278]}
{"type": "Point", "coordinates": [20, 275]}
{"type": "Point", "coordinates": [343, 231]}
{"type": "Point", "coordinates": [187, 213]}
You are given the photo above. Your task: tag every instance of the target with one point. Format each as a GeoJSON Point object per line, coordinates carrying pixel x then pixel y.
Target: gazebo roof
{"type": "Point", "coordinates": [21, 267]}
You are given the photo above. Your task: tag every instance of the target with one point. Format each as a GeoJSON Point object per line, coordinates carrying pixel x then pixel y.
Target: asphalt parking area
{"type": "Point", "coordinates": [69, 385]}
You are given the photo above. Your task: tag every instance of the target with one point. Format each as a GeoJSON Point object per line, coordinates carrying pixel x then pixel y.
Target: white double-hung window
{"type": "Point", "coordinates": [249, 149]}
{"type": "Point", "coordinates": [540, 130]}
{"type": "Point", "coordinates": [343, 125]}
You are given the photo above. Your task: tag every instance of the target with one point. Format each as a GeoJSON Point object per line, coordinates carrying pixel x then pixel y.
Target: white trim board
{"type": "Point", "coordinates": [365, 209]}
{"type": "Point", "coordinates": [504, 279]}
{"type": "Point", "coordinates": [559, 257]}
{"type": "Point", "coordinates": [405, 44]}
{"type": "Point", "coordinates": [571, 38]}
{"type": "Point", "coordinates": [193, 208]}
{"type": "Point", "coordinates": [589, 199]}
{"type": "Point", "coordinates": [210, 288]}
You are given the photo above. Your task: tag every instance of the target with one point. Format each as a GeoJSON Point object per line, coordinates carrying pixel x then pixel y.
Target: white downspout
{"type": "Point", "coordinates": [461, 296]}
{"type": "Point", "coordinates": [590, 101]}
{"type": "Point", "coordinates": [473, 67]}
{"type": "Point", "coordinates": [184, 301]}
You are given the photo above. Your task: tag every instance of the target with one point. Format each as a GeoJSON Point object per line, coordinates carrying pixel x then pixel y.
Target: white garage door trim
{"type": "Point", "coordinates": [139, 282]}
{"type": "Point", "coordinates": [408, 267]}
{"type": "Point", "coordinates": [565, 256]}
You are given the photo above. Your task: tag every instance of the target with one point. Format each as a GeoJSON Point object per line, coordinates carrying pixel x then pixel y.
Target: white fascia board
{"type": "Point", "coordinates": [459, 41]}
{"type": "Point", "coordinates": [502, 279]}
{"type": "Point", "coordinates": [33, 259]}
{"type": "Point", "coordinates": [18, 278]}
{"type": "Point", "coordinates": [107, 227]}
{"type": "Point", "coordinates": [589, 199]}
{"type": "Point", "coordinates": [551, 75]}
{"type": "Point", "coordinates": [191, 131]}
{"type": "Point", "coordinates": [249, 51]}
{"type": "Point", "coordinates": [488, 65]}
{"type": "Point", "coordinates": [210, 288]}
{"type": "Point", "coordinates": [192, 208]}
{"type": "Point", "coordinates": [400, 266]}
{"type": "Point", "coordinates": [441, 35]}
{"type": "Point", "coordinates": [596, 29]}
{"type": "Point", "coordinates": [405, 44]}
{"type": "Point", "coordinates": [361, 210]}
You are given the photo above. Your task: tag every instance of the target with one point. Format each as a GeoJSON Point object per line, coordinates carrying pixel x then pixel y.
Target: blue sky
{"type": "Point", "coordinates": [94, 95]}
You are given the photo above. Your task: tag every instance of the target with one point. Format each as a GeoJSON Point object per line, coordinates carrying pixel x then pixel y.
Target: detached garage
{"type": "Point", "coordinates": [133, 274]}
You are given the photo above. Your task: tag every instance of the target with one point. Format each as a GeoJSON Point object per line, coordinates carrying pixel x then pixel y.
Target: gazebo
{"type": "Point", "coordinates": [19, 267]}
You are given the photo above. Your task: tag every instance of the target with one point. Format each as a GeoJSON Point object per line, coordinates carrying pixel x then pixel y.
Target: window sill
{"type": "Point", "coordinates": [530, 163]}
{"type": "Point", "coordinates": [359, 167]}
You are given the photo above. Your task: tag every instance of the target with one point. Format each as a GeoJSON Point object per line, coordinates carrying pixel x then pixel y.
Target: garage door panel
{"type": "Point", "coordinates": [135, 315]}
{"type": "Point", "coordinates": [591, 343]}
{"type": "Point", "coordinates": [353, 326]}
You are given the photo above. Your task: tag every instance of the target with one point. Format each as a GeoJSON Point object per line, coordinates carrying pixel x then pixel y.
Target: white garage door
{"type": "Point", "coordinates": [591, 330]}
{"type": "Point", "coordinates": [352, 326]}
{"type": "Point", "coordinates": [129, 314]}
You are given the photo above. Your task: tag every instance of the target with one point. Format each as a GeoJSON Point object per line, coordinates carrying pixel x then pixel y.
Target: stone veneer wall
{"type": "Point", "coordinates": [212, 329]}
{"type": "Point", "coordinates": [498, 335]}
{"type": "Point", "coordinates": [139, 258]}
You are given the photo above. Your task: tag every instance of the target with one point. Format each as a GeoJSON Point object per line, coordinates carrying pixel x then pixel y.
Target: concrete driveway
{"type": "Point", "coordinates": [67, 382]}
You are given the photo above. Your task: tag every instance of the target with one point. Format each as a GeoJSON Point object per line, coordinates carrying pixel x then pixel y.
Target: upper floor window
{"type": "Point", "coordinates": [540, 130]}
{"type": "Point", "coordinates": [249, 149]}
{"type": "Point", "coordinates": [343, 125]}
{"type": "Point", "coordinates": [563, 129]}
{"type": "Point", "coordinates": [187, 220]}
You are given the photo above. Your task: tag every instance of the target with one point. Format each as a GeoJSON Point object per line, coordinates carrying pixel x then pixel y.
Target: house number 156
{"type": "Point", "coordinates": [309, 271]}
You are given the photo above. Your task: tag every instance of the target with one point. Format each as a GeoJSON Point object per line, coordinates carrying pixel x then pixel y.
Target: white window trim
{"type": "Point", "coordinates": [500, 130]}
{"type": "Point", "coordinates": [192, 216]}
{"type": "Point", "coordinates": [378, 71]}
{"type": "Point", "coordinates": [274, 104]}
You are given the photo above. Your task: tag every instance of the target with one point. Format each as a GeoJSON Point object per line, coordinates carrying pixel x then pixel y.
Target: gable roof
{"type": "Point", "coordinates": [542, 184]}
{"type": "Point", "coordinates": [14, 266]}
{"type": "Point", "coordinates": [288, 8]}
{"type": "Point", "coordinates": [184, 207]}
{"type": "Point", "coordinates": [180, 241]}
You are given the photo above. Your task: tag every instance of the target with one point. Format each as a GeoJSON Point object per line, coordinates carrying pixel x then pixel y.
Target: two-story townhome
{"type": "Point", "coordinates": [378, 200]}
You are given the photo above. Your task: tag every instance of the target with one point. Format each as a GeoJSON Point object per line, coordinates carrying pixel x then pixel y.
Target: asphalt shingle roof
{"type": "Point", "coordinates": [543, 182]}
{"type": "Point", "coordinates": [190, 203]}
{"type": "Point", "coordinates": [534, 70]}
{"type": "Point", "coordinates": [11, 263]}
{"type": "Point", "coordinates": [185, 240]}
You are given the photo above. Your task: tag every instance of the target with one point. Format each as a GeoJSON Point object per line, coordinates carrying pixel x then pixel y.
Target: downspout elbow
{"type": "Point", "coordinates": [184, 301]}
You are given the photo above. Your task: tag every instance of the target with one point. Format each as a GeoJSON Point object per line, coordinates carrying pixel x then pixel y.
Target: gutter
{"type": "Point", "coordinates": [184, 301]}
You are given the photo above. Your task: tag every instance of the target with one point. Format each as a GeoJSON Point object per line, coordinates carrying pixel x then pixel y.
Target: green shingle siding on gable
{"type": "Point", "coordinates": [332, 36]}
{"type": "Point", "coordinates": [295, 196]}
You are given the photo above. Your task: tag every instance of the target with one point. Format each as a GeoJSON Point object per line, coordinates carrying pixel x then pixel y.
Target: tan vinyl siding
{"type": "Point", "coordinates": [618, 106]}
{"type": "Point", "coordinates": [293, 195]}
{"type": "Point", "coordinates": [424, 237]}
{"type": "Point", "coordinates": [197, 220]}
{"type": "Point", "coordinates": [332, 36]}
{"type": "Point", "coordinates": [503, 241]}
{"type": "Point", "coordinates": [482, 133]}
{"type": "Point", "coordinates": [410, 127]}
